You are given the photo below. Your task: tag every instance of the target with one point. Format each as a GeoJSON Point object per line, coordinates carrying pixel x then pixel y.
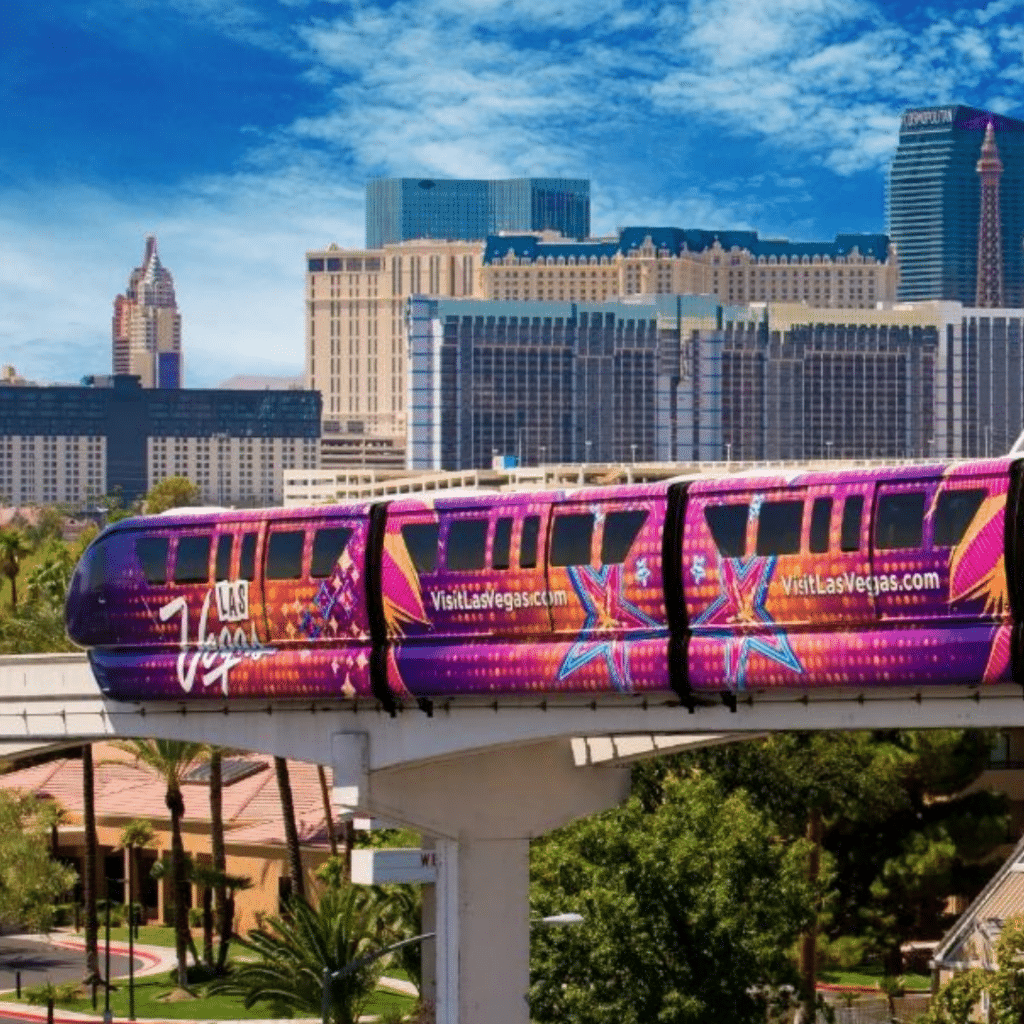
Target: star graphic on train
{"type": "Point", "coordinates": [740, 606]}
{"type": "Point", "coordinates": [606, 608]}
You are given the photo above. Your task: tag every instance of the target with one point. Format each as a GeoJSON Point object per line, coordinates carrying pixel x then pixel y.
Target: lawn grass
{"type": "Point", "coordinates": [149, 990]}
{"type": "Point", "coordinates": [871, 975]}
{"type": "Point", "coordinates": [149, 935]}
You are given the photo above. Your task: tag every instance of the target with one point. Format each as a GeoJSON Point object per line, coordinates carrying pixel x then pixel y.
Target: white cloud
{"type": "Point", "coordinates": [660, 103]}
{"type": "Point", "coordinates": [234, 246]}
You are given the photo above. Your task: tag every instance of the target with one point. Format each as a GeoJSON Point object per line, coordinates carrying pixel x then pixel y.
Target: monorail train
{"type": "Point", "coordinates": [862, 578]}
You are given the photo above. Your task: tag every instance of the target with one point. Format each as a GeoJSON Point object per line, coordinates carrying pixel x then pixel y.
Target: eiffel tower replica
{"type": "Point", "coordinates": [990, 246]}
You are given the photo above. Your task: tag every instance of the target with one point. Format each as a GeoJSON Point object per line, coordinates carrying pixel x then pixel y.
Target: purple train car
{"type": "Point", "coordinates": [880, 577]}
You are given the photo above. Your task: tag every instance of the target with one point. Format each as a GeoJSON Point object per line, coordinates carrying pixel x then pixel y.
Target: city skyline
{"type": "Point", "coordinates": [244, 138]}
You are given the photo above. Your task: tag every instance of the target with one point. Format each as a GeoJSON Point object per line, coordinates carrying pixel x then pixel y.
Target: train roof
{"type": "Point", "coordinates": [768, 477]}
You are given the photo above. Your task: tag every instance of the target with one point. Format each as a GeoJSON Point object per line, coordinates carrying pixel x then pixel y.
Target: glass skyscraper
{"type": "Point", "coordinates": [400, 209]}
{"type": "Point", "coordinates": [934, 200]}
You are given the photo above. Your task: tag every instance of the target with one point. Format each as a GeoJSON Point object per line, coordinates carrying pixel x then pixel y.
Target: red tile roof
{"type": "Point", "coordinates": [126, 790]}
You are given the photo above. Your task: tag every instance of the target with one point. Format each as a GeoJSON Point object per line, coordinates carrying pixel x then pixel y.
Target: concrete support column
{"type": "Point", "coordinates": [483, 809]}
{"type": "Point", "coordinates": [494, 931]}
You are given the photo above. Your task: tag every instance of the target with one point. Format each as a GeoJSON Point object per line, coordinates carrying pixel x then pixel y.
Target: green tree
{"type": "Point", "coordinates": [49, 526]}
{"type": "Point", "coordinates": [14, 547]}
{"type": "Point", "coordinates": [32, 883]}
{"type": "Point", "coordinates": [955, 1002]}
{"type": "Point", "coordinates": [690, 905]}
{"type": "Point", "coordinates": [171, 492]}
{"type": "Point", "coordinates": [171, 760]}
{"type": "Point", "coordinates": [35, 623]}
{"type": "Point", "coordinates": [291, 954]}
{"type": "Point", "coordinates": [898, 873]}
{"type": "Point", "coordinates": [47, 581]}
{"type": "Point", "coordinates": [810, 782]}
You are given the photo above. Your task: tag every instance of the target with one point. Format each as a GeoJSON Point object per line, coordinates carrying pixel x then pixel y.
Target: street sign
{"type": "Point", "coordinates": [372, 867]}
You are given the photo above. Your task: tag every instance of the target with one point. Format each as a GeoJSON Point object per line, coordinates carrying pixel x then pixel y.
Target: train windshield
{"type": "Point", "coordinates": [85, 613]}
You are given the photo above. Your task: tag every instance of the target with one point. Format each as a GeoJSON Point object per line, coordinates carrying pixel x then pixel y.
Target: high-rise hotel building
{"type": "Point", "coordinates": [852, 272]}
{"type": "Point", "coordinates": [356, 302]}
{"type": "Point", "coordinates": [147, 325]}
{"type": "Point", "coordinates": [356, 339]}
{"type": "Point", "coordinates": [400, 209]}
{"type": "Point", "coordinates": [934, 203]}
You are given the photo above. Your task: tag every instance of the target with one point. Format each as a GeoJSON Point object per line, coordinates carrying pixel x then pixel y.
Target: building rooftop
{"type": "Point", "coordinates": [676, 241]}
{"type": "Point", "coordinates": [125, 790]}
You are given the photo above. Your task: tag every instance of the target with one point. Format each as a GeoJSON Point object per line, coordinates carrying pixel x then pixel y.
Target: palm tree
{"type": "Point", "coordinates": [332, 832]}
{"type": "Point", "coordinates": [292, 955]}
{"type": "Point", "coordinates": [92, 925]}
{"type": "Point", "coordinates": [13, 549]}
{"type": "Point", "coordinates": [134, 836]}
{"type": "Point", "coordinates": [220, 891]}
{"type": "Point", "coordinates": [232, 884]}
{"type": "Point", "coordinates": [291, 833]}
{"type": "Point", "coordinates": [171, 760]}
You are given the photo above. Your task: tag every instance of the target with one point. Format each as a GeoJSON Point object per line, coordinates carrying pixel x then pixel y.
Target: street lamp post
{"type": "Point", "coordinates": [362, 961]}
{"type": "Point", "coordinates": [131, 931]}
{"type": "Point", "coordinates": [107, 1015]}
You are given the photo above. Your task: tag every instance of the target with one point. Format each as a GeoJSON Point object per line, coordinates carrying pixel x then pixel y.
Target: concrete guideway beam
{"type": "Point", "coordinates": [48, 700]}
{"type": "Point", "coordinates": [482, 810]}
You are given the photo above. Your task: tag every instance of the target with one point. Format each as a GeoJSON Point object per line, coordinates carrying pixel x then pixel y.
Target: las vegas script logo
{"type": "Point", "coordinates": [216, 653]}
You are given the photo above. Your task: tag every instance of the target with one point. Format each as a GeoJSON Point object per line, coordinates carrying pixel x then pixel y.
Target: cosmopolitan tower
{"type": "Point", "coordinates": [934, 203]}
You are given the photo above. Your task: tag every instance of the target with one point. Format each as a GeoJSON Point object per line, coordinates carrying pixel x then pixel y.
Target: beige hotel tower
{"type": "Point", "coordinates": [356, 304]}
{"type": "Point", "coordinates": [147, 325]}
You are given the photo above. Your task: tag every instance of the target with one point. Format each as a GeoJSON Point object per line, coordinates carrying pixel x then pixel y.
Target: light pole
{"type": "Point", "coordinates": [107, 1015]}
{"type": "Point", "coordinates": [559, 920]}
{"type": "Point", "coordinates": [632, 449]}
{"type": "Point", "coordinates": [362, 961]}
{"type": "Point", "coordinates": [131, 931]}
{"type": "Point", "coordinates": [728, 453]}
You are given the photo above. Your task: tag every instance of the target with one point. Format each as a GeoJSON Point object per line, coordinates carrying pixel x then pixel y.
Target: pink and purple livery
{"type": "Point", "coordinates": [861, 578]}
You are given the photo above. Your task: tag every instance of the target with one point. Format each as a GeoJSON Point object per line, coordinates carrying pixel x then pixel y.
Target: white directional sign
{"type": "Point", "coordinates": [373, 867]}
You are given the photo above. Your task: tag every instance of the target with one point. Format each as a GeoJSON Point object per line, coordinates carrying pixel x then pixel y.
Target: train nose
{"type": "Point", "coordinates": [85, 611]}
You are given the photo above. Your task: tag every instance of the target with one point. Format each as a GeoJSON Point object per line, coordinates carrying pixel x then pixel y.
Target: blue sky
{"type": "Point", "coordinates": [242, 133]}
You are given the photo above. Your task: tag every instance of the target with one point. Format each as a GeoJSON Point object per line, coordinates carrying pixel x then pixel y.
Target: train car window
{"type": "Point", "coordinates": [328, 544]}
{"type": "Point", "coordinates": [900, 521]}
{"type": "Point", "coordinates": [421, 542]}
{"type": "Point", "coordinates": [620, 530]}
{"type": "Point", "coordinates": [466, 550]}
{"type": "Point", "coordinates": [778, 527]}
{"type": "Point", "coordinates": [853, 510]}
{"type": "Point", "coordinates": [192, 563]}
{"type": "Point", "coordinates": [152, 555]}
{"type": "Point", "coordinates": [528, 542]}
{"type": "Point", "coordinates": [953, 514]}
{"type": "Point", "coordinates": [284, 555]}
{"type": "Point", "coordinates": [247, 557]}
{"type": "Point", "coordinates": [728, 526]}
{"type": "Point", "coordinates": [571, 538]}
{"type": "Point", "coordinates": [821, 519]}
{"type": "Point", "coordinates": [222, 563]}
{"type": "Point", "coordinates": [501, 549]}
